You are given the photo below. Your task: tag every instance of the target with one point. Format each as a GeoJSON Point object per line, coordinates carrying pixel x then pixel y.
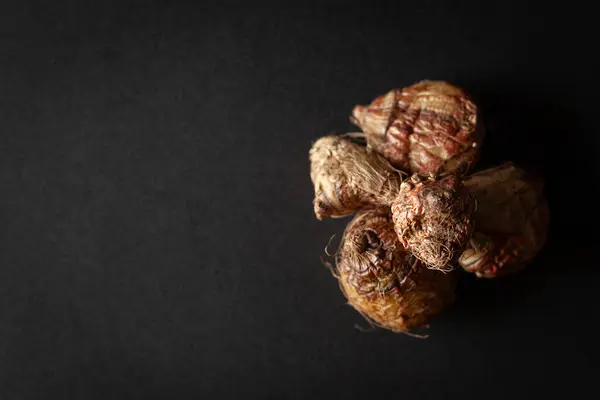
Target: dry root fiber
{"type": "Point", "coordinates": [511, 221]}
{"type": "Point", "coordinates": [433, 219]}
{"type": "Point", "coordinates": [431, 127]}
{"type": "Point", "coordinates": [383, 281]}
{"type": "Point", "coordinates": [347, 177]}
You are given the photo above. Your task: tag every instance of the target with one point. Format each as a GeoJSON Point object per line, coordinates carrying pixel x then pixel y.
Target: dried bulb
{"type": "Point", "coordinates": [433, 219]}
{"type": "Point", "coordinates": [431, 127]}
{"type": "Point", "coordinates": [511, 221]}
{"type": "Point", "coordinates": [384, 282]}
{"type": "Point", "coordinates": [347, 176]}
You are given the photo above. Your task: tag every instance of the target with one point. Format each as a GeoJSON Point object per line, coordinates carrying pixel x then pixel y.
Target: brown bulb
{"type": "Point", "coordinates": [383, 281]}
{"type": "Point", "coordinates": [431, 127]}
{"type": "Point", "coordinates": [433, 219]}
{"type": "Point", "coordinates": [347, 176]}
{"type": "Point", "coordinates": [511, 221]}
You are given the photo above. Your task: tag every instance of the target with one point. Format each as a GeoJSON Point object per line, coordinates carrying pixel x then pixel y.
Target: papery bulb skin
{"type": "Point", "coordinates": [347, 177]}
{"type": "Point", "coordinates": [511, 221]}
{"type": "Point", "coordinates": [434, 219]}
{"type": "Point", "coordinates": [383, 281]}
{"type": "Point", "coordinates": [431, 127]}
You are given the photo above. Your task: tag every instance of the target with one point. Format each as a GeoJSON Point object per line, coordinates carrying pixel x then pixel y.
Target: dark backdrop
{"type": "Point", "coordinates": [157, 239]}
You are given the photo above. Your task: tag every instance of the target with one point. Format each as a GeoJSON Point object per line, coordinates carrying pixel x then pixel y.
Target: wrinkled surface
{"type": "Point", "coordinates": [431, 127]}
{"type": "Point", "coordinates": [433, 219]}
{"type": "Point", "coordinates": [346, 177]}
{"type": "Point", "coordinates": [383, 281]}
{"type": "Point", "coordinates": [511, 221]}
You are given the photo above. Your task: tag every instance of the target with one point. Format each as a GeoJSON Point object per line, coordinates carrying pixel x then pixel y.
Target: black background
{"type": "Point", "coordinates": [157, 236]}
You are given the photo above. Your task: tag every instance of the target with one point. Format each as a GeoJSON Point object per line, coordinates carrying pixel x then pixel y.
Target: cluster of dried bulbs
{"type": "Point", "coordinates": [420, 212]}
